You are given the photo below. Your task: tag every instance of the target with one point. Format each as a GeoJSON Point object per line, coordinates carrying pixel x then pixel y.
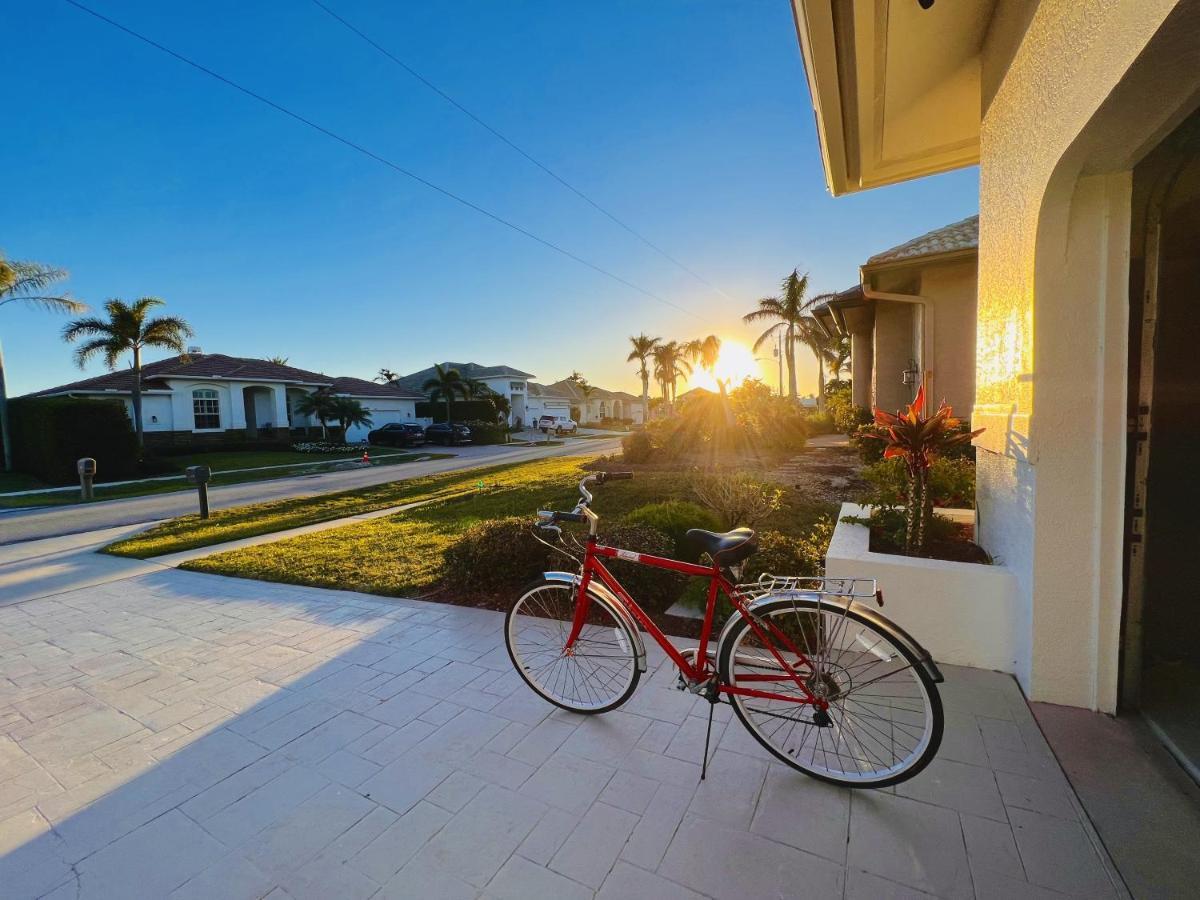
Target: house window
{"type": "Point", "coordinates": [206, 407]}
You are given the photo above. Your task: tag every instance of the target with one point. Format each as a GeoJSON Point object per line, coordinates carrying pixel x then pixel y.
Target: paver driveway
{"type": "Point", "coordinates": [182, 735]}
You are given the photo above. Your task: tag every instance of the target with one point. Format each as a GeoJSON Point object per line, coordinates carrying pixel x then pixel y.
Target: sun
{"type": "Point", "coordinates": [735, 364]}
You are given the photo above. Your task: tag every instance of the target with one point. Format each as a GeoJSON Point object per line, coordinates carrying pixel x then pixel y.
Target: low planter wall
{"type": "Point", "coordinates": [963, 613]}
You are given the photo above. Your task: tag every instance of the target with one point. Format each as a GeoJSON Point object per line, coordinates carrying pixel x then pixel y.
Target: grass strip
{"type": "Point", "coordinates": [402, 555]}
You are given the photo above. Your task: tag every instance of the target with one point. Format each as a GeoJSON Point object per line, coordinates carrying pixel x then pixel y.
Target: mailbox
{"type": "Point", "coordinates": [87, 475]}
{"type": "Point", "coordinates": [197, 474]}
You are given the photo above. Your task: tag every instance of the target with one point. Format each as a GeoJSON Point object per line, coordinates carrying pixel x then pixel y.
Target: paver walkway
{"type": "Point", "coordinates": [180, 735]}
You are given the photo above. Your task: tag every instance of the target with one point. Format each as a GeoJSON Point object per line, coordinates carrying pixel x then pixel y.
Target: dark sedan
{"type": "Point", "coordinates": [443, 433]}
{"type": "Point", "coordinates": [398, 434]}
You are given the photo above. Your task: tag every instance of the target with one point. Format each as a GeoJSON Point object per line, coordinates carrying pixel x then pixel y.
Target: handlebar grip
{"type": "Point", "coordinates": [569, 517]}
{"type": "Point", "coordinates": [618, 476]}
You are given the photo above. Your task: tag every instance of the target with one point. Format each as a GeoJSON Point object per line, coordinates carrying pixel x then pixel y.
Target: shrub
{"type": "Point", "coordinates": [654, 589]}
{"type": "Point", "coordinates": [50, 434]}
{"type": "Point", "coordinates": [636, 447]}
{"type": "Point", "coordinates": [820, 422]}
{"type": "Point", "coordinates": [870, 449]}
{"type": "Point", "coordinates": [495, 555]}
{"type": "Point", "coordinates": [846, 416]}
{"type": "Point", "coordinates": [781, 554]}
{"type": "Point", "coordinates": [737, 500]}
{"type": "Point", "coordinates": [461, 410]}
{"type": "Point", "coordinates": [487, 432]}
{"type": "Point", "coordinates": [325, 447]}
{"type": "Point", "coordinates": [951, 483]}
{"type": "Point", "coordinates": [673, 518]}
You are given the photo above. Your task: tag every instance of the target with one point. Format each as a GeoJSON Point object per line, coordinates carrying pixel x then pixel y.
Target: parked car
{"type": "Point", "coordinates": [397, 434]}
{"type": "Point", "coordinates": [444, 433]}
{"type": "Point", "coordinates": [558, 424]}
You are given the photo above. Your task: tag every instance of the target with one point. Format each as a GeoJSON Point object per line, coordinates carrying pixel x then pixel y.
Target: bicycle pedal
{"type": "Point", "coordinates": [821, 718]}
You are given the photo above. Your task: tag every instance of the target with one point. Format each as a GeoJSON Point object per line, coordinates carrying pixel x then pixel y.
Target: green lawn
{"type": "Point", "coordinates": [18, 481]}
{"type": "Point", "coordinates": [402, 554]}
{"type": "Point", "coordinates": [233, 476]}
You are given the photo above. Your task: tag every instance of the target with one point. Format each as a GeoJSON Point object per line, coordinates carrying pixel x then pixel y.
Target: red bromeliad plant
{"type": "Point", "coordinates": [919, 440]}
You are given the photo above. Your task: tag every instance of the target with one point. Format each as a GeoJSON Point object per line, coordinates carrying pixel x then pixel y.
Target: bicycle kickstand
{"type": "Point", "coordinates": [713, 699]}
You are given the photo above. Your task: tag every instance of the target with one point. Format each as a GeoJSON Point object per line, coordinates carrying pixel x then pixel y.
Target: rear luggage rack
{"type": "Point", "coordinates": [854, 588]}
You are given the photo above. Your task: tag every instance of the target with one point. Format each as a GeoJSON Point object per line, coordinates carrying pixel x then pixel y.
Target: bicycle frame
{"type": "Point", "coordinates": [699, 671]}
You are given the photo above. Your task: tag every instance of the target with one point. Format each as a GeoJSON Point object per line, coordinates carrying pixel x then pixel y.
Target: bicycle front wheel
{"type": "Point", "coordinates": [884, 717]}
{"type": "Point", "coordinates": [597, 673]}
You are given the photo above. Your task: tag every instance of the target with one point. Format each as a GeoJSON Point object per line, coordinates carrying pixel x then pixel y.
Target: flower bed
{"type": "Point", "coordinates": [326, 447]}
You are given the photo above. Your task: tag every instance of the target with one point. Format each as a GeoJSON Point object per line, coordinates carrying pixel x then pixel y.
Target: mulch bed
{"type": "Point", "coordinates": [958, 548]}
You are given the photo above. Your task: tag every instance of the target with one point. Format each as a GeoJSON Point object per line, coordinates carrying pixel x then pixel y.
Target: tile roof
{"type": "Point", "coordinates": [358, 387]}
{"type": "Point", "coordinates": [545, 390]}
{"type": "Point", "coordinates": [962, 235]}
{"type": "Point", "coordinates": [196, 365]}
{"type": "Point", "coordinates": [467, 370]}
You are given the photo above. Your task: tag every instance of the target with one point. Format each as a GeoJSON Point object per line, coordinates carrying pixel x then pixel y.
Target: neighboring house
{"type": "Point", "coordinates": [911, 320]}
{"type": "Point", "coordinates": [510, 383]}
{"type": "Point", "coordinates": [212, 398]}
{"type": "Point", "coordinates": [602, 404]}
{"type": "Point", "coordinates": [1083, 120]}
{"type": "Point", "coordinates": [528, 400]}
{"type": "Point", "coordinates": [544, 400]}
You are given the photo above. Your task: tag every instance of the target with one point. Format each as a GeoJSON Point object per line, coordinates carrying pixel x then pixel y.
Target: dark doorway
{"type": "Point", "coordinates": [1161, 675]}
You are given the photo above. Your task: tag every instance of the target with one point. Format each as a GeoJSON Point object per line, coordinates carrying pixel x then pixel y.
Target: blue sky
{"type": "Point", "coordinates": [690, 120]}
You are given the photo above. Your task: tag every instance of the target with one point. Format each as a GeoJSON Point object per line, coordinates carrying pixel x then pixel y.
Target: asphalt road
{"type": "Point", "coordinates": [30, 524]}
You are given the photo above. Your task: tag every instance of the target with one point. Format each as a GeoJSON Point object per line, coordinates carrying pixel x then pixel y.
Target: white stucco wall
{"type": "Point", "coordinates": [1071, 109]}
{"type": "Point", "coordinates": [383, 411]}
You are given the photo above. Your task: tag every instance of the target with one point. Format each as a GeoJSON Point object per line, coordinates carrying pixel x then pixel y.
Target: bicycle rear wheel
{"type": "Point", "coordinates": [600, 670]}
{"type": "Point", "coordinates": [885, 716]}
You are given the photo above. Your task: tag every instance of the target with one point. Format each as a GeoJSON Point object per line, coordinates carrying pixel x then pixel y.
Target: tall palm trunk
{"type": "Point", "coordinates": [645, 393]}
{"type": "Point", "coordinates": [447, 407]}
{"type": "Point", "coordinates": [137, 396]}
{"type": "Point", "coordinates": [791, 361]}
{"type": "Point", "coordinates": [820, 385]}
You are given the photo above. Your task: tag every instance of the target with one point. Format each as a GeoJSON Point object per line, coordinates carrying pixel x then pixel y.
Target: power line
{"type": "Point", "coordinates": [445, 192]}
{"type": "Point", "coordinates": [528, 156]}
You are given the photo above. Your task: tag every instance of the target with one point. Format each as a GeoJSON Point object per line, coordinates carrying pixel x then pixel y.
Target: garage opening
{"type": "Point", "coordinates": [1161, 670]}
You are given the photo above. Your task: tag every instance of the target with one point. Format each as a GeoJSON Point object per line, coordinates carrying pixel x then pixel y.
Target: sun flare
{"type": "Point", "coordinates": [735, 364]}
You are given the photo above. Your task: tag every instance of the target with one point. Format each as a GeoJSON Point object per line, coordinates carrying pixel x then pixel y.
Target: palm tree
{"type": "Point", "coordinates": [643, 352]}
{"type": "Point", "coordinates": [278, 360]}
{"type": "Point", "coordinates": [26, 282]}
{"type": "Point", "coordinates": [587, 391]}
{"type": "Point", "coordinates": [387, 376]}
{"type": "Point", "coordinates": [320, 404]}
{"type": "Point", "coordinates": [347, 411]}
{"type": "Point", "coordinates": [839, 355]}
{"type": "Point", "coordinates": [127, 330]}
{"type": "Point", "coordinates": [786, 313]}
{"type": "Point", "coordinates": [474, 389]}
{"type": "Point", "coordinates": [813, 336]}
{"type": "Point", "coordinates": [707, 351]}
{"type": "Point", "coordinates": [445, 383]}
{"type": "Point", "coordinates": [671, 364]}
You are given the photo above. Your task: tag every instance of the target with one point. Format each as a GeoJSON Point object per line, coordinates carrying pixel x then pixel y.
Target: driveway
{"type": "Point", "coordinates": [24, 525]}
{"type": "Point", "coordinates": [172, 734]}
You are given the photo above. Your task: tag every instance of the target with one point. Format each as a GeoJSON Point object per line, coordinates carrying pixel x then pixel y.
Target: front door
{"type": "Point", "coordinates": [1162, 622]}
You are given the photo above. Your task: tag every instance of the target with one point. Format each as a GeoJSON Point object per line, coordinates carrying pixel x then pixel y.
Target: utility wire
{"type": "Point", "coordinates": [445, 192]}
{"type": "Point", "coordinates": [528, 156]}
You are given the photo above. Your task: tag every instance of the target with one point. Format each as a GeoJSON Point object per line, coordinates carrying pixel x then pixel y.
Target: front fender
{"type": "Point", "coordinates": [876, 618]}
{"type": "Point", "coordinates": [602, 595]}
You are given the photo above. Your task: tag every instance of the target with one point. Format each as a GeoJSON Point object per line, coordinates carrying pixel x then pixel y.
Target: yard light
{"type": "Point", "coordinates": [199, 476]}
{"type": "Point", "coordinates": [87, 475]}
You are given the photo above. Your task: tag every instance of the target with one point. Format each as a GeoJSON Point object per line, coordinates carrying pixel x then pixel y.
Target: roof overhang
{"type": "Point", "coordinates": [895, 88]}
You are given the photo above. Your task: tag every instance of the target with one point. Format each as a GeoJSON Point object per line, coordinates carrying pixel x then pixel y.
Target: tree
{"type": "Point", "coordinates": [707, 351]}
{"type": "Point", "coordinates": [278, 360]}
{"type": "Point", "coordinates": [642, 353]}
{"type": "Point", "coordinates": [839, 355]}
{"type": "Point", "coordinates": [587, 391]}
{"type": "Point", "coordinates": [786, 313]}
{"type": "Point", "coordinates": [387, 376]}
{"type": "Point", "coordinates": [320, 405]}
{"type": "Point", "coordinates": [576, 377]}
{"type": "Point", "coordinates": [670, 364]}
{"type": "Point", "coordinates": [444, 384]}
{"type": "Point", "coordinates": [474, 389]}
{"type": "Point", "coordinates": [27, 282]}
{"type": "Point", "coordinates": [127, 330]}
{"type": "Point", "coordinates": [347, 411]}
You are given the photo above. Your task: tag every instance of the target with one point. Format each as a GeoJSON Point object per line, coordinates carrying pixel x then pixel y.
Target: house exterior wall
{"type": "Point", "coordinates": [950, 289]}
{"type": "Point", "coordinates": [1067, 115]}
{"type": "Point", "coordinates": [384, 411]}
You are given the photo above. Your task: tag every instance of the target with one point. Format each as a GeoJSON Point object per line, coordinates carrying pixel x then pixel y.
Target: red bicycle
{"type": "Point", "coordinates": [817, 675]}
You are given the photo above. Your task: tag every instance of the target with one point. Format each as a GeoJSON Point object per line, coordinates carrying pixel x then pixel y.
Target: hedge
{"type": "Point", "coordinates": [50, 434]}
{"type": "Point", "coordinates": [461, 410]}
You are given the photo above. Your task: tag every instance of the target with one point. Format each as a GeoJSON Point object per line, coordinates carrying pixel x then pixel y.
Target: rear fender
{"type": "Point", "coordinates": [602, 595]}
{"type": "Point", "coordinates": [897, 634]}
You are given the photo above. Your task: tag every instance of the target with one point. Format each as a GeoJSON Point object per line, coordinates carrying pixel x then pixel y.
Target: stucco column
{"type": "Point", "coordinates": [279, 393]}
{"type": "Point", "coordinates": [862, 361]}
{"type": "Point", "coordinates": [237, 404]}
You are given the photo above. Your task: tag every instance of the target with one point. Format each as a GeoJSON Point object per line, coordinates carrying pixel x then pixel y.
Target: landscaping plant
{"type": "Point", "coordinates": [918, 440]}
{"type": "Point", "coordinates": [738, 500]}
